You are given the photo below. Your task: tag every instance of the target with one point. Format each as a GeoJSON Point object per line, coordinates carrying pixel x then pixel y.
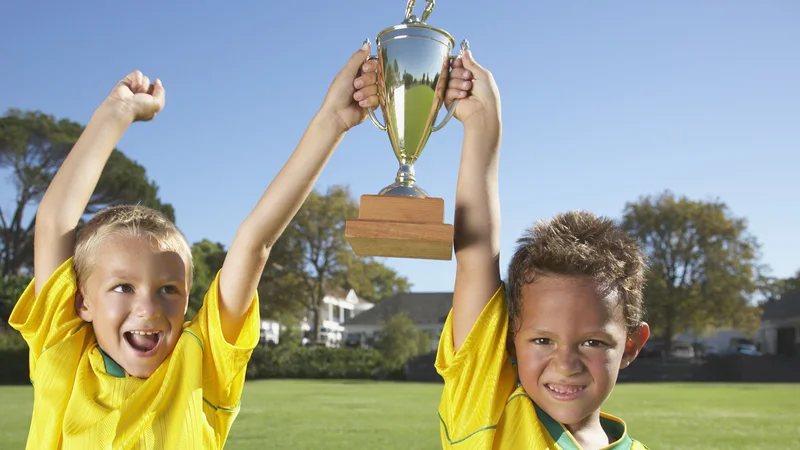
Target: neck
{"type": "Point", "coordinates": [589, 432]}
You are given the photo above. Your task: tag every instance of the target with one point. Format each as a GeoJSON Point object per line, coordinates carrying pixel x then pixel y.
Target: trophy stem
{"type": "Point", "coordinates": [405, 184]}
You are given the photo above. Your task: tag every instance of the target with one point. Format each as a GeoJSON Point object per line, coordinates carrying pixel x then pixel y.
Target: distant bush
{"type": "Point", "coordinates": [286, 361]}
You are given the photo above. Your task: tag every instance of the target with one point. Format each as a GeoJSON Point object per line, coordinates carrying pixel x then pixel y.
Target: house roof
{"type": "Point", "coordinates": [787, 307]}
{"type": "Point", "coordinates": [421, 307]}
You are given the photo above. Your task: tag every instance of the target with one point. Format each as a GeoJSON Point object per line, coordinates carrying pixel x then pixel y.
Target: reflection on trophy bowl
{"type": "Point", "coordinates": [414, 66]}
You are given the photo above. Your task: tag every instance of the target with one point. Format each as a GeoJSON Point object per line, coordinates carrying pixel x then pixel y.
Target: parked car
{"type": "Point", "coordinates": [745, 349]}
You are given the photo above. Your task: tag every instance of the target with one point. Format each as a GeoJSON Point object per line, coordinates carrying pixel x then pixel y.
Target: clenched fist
{"type": "Point", "coordinates": [137, 98]}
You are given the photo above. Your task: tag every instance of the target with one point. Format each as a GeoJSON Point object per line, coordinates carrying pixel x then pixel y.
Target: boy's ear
{"type": "Point", "coordinates": [634, 344]}
{"type": "Point", "coordinates": [82, 307]}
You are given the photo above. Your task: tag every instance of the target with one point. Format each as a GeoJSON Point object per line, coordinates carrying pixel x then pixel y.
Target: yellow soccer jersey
{"type": "Point", "coordinates": [85, 400]}
{"type": "Point", "coordinates": [482, 405]}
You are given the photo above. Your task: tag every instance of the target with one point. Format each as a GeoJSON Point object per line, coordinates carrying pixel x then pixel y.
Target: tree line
{"type": "Point", "coordinates": [705, 267]}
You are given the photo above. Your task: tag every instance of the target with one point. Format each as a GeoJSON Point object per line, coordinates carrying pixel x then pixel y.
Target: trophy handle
{"type": "Point", "coordinates": [447, 118]}
{"type": "Point", "coordinates": [371, 111]}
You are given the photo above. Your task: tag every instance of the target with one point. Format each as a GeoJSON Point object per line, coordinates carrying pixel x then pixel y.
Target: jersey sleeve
{"type": "Point", "coordinates": [49, 318]}
{"type": "Point", "coordinates": [225, 363]}
{"type": "Point", "coordinates": [478, 379]}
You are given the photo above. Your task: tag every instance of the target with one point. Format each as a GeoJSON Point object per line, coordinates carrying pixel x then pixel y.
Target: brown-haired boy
{"type": "Point", "coordinates": [571, 319]}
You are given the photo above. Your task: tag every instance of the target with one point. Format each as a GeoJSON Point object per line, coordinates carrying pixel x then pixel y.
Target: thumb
{"type": "Point", "coordinates": [470, 64]}
{"type": "Point", "coordinates": [359, 57]}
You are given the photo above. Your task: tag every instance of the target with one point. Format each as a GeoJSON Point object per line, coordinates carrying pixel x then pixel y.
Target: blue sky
{"type": "Point", "coordinates": [602, 101]}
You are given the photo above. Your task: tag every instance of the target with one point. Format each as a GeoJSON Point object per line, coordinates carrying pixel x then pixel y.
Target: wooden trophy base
{"type": "Point", "coordinates": [400, 227]}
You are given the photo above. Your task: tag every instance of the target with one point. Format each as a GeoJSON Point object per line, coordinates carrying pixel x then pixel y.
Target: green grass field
{"type": "Point", "coordinates": [370, 415]}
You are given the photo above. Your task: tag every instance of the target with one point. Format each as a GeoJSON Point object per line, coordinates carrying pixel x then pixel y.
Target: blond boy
{"type": "Point", "coordinates": [112, 362]}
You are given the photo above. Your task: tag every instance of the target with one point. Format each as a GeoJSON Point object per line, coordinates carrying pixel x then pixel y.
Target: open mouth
{"type": "Point", "coordinates": [143, 342]}
{"type": "Point", "coordinates": [565, 391]}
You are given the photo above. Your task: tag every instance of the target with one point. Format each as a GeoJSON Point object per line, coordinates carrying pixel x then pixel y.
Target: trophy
{"type": "Point", "coordinates": [413, 70]}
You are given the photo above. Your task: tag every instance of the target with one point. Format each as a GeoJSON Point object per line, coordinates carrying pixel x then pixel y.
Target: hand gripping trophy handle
{"type": "Point", "coordinates": [450, 111]}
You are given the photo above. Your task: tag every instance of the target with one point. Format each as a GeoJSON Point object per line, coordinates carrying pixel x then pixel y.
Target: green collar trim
{"type": "Point", "coordinates": [112, 368]}
{"type": "Point", "coordinates": [614, 429]}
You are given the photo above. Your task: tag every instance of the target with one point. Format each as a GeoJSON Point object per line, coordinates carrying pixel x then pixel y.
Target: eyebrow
{"type": "Point", "coordinates": [599, 333]}
{"type": "Point", "coordinates": [116, 276]}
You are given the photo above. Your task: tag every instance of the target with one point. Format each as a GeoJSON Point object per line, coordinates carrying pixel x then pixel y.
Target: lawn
{"type": "Point", "coordinates": [368, 415]}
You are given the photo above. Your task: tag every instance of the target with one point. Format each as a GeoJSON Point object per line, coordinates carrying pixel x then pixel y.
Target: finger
{"type": "Point", "coordinates": [137, 81]}
{"type": "Point", "coordinates": [365, 80]}
{"type": "Point", "coordinates": [457, 63]}
{"type": "Point", "coordinates": [460, 85]}
{"type": "Point", "coordinates": [130, 78]}
{"type": "Point", "coordinates": [369, 102]}
{"type": "Point", "coordinates": [369, 66]}
{"type": "Point", "coordinates": [145, 86]}
{"type": "Point", "coordinates": [454, 94]}
{"type": "Point", "coordinates": [159, 95]}
{"type": "Point", "coordinates": [461, 73]}
{"type": "Point", "coordinates": [368, 91]}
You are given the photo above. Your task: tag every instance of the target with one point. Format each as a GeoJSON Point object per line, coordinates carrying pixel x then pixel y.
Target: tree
{"type": "Point", "coordinates": [703, 264]}
{"type": "Point", "coordinates": [317, 259]}
{"type": "Point", "coordinates": [11, 288]}
{"type": "Point", "coordinates": [372, 280]}
{"type": "Point", "coordinates": [33, 146]}
{"type": "Point", "coordinates": [776, 288]}
{"type": "Point", "coordinates": [400, 340]}
{"type": "Point", "coordinates": [208, 258]}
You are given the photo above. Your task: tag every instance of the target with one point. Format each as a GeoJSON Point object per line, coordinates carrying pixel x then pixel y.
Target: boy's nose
{"type": "Point", "coordinates": [568, 362]}
{"type": "Point", "coordinates": [148, 307]}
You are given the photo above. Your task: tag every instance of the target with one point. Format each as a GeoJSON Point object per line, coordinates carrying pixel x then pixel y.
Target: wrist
{"type": "Point", "coordinates": [485, 127]}
{"type": "Point", "coordinates": [114, 112]}
{"type": "Point", "coordinates": [329, 121]}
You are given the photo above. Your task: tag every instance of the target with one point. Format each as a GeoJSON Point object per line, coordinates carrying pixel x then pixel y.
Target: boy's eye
{"type": "Point", "coordinates": [123, 288]}
{"type": "Point", "coordinates": [171, 290]}
{"type": "Point", "coordinates": [541, 341]}
{"type": "Point", "coordinates": [595, 343]}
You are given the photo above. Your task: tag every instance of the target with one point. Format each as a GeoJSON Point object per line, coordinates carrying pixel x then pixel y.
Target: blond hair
{"type": "Point", "coordinates": [580, 244]}
{"type": "Point", "coordinates": [131, 221]}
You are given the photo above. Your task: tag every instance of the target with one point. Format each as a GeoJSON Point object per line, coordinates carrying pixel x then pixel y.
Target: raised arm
{"type": "Point", "coordinates": [343, 108]}
{"type": "Point", "coordinates": [134, 98]}
{"type": "Point", "coordinates": [477, 214]}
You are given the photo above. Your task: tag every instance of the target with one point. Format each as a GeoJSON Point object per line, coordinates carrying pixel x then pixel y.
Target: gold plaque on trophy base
{"type": "Point", "coordinates": [400, 227]}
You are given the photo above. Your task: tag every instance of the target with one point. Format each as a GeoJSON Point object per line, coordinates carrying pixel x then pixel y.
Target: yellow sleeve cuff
{"type": "Point", "coordinates": [225, 363]}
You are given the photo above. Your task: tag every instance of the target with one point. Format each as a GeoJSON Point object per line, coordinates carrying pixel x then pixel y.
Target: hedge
{"type": "Point", "coordinates": [266, 362]}
{"type": "Point", "coordinates": [316, 362]}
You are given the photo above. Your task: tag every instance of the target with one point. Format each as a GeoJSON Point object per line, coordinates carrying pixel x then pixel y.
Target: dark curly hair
{"type": "Point", "coordinates": [579, 243]}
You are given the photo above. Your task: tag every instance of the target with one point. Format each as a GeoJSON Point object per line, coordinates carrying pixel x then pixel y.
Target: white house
{"type": "Point", "coordinates": [428, 311]}
{"type": "Point", "coordinates": [335, 311]}
{"type": "Point", "coordinates": [270, 332]}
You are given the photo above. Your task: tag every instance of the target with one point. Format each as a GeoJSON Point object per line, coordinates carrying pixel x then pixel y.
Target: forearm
{"type": "Point", "coordinates": [477, 216]}
{"type": "Point", "coordinates": [69, 192]}
{"type": "Point", "coordinates": [66, 198]}
{"type": "Point", "coordinates": [477, 229]}
{"type": "Point", "coordinates": [285, 195]}
{"type": "Point", "coordinates": [290, 187]}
